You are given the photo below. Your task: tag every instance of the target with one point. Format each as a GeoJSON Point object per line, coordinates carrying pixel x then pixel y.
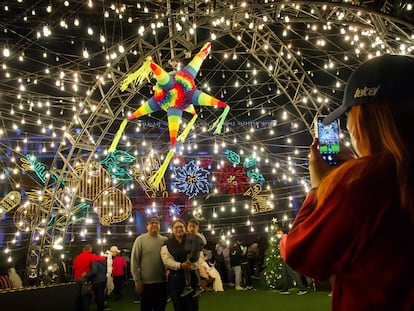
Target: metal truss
{"type": "Point", "coordinates": [257, 29]}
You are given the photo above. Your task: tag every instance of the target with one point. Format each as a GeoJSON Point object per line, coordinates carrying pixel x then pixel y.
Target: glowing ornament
{"type": "Point", "coordinates": [94, 179]}
{"type": "Point", "coordinates": [112, 162]}
{"type": "Point", "coordinates": [112, 206]}
{"type": "Point", "coordinates": [174, 210]}
{"type": "Point", "coordinates": [29, 163]}
{"type": "Point", "coordinates": [174, 93]}
{"type": "Point", "coordinates": [260, 202]}
{"type": "Point", "coordinates": [191, 179]}
{"type": "Point", "coordinates": [10, 201]}
{"type": "Point", "coordinates": [232, 179]}
{"type": "Point", "coordinates": [248, 164]}
{"type": "Point", "coordinates": [142, 174]}
{"type": "Point", "coordinates": [28, 216]}
{"type": "Point", "coordinates": [232, 157]}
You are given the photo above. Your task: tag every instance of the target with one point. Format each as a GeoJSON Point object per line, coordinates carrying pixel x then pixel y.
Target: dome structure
{"type": "Point", "coordinates": [276, 64]}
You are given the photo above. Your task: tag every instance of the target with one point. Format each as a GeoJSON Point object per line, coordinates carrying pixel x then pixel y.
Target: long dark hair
{"type": "Point", "coordinates": [385, 129]}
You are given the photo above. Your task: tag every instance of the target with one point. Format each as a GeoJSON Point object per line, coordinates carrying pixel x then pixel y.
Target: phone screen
{"type": "Point", "coordinates": [329, 141]}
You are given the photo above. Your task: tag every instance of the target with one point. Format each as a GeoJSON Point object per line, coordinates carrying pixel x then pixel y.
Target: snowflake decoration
{"type": "Point", "coordinates": [174, 210]}
{"type": "Point", "coordinates": [191, 179]}
{"type": "Point", "coordinates": [233, 179]}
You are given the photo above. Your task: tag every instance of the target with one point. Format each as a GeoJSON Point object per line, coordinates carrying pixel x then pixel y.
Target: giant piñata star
{"type": "Point", "coordinates": [174, 93]}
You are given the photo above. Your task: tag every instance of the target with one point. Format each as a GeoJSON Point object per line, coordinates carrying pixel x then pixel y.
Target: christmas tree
{"type": "Point", "coordinates": [273, 263]}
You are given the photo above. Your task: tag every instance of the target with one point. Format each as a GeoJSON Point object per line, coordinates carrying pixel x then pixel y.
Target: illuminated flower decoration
{"type": "Point", "coordinates": [191, 179]}
{"type": "Point", "coordinates": [249, 165]}
{"type": "Point", "coordinates": [174, 210]}
{"type": "Point", "coordinates": [232, 179]}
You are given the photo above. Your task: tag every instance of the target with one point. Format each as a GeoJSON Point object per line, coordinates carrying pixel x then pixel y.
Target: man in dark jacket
{"type": "Point", "coordinates": [236, 259]}
{"type": "Point", "coordinates": [97, 277]}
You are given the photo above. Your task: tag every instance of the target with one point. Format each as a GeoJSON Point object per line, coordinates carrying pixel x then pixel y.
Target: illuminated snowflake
{"type": "Point", "coordinates": [191, 179]}
{"type": "Point", "coordinates": [233, 179]}
{"type": "Point", "coordinates": [174, 210]}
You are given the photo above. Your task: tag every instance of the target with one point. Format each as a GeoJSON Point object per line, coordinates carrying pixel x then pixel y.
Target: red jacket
{"type": "Point", "coordinates": [118, 266]}
{"type": "Point", "coordinates": [82, 263]}
{"type": "Point", "coordinates": [361, 236]}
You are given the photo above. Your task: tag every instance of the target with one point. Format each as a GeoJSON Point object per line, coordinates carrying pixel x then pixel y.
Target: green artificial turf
{"type": "Point", "coordinates": [258, 299]}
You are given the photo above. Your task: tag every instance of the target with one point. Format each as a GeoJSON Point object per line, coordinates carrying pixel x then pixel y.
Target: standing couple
{"type": "Point", "coordinates": [158, 266]}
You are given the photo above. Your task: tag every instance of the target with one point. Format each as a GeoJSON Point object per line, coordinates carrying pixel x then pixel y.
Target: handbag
{"type": "Point", "coordinates": [86, 289]}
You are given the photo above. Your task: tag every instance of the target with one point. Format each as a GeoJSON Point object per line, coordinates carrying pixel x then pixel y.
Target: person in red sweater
{"type": "Point", "coordinates": [82, 266]}
{"type": "Point", "coordinates": [118, 271]}
{"type": "Point", "coordinates": [358, 218]}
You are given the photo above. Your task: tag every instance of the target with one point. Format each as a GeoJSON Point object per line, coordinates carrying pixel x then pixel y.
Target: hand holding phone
{"type": "Point", "coordinates": [329, 139]}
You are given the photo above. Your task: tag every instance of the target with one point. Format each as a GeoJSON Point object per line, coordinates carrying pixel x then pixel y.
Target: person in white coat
{"type": "Point", "coordinates": [15, 280]}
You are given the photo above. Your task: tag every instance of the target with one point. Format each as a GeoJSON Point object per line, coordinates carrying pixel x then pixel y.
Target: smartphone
{"type": "Point", "coordinates": [329, 142]}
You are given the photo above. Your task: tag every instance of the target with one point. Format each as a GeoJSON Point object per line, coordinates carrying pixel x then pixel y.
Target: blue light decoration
{"type": "Point", "coordinates": [191, 179]}
{"type": "Point", "coordinates": [112, 162]}
{"type": "Point", "coordinates": [174, 210]}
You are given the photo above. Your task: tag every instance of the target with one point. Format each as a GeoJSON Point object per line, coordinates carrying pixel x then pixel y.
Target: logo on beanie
{"type": "Point", "coordinates": [366, 91]}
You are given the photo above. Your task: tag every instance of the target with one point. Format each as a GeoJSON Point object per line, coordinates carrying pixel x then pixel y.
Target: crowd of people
{"type": "Point", "coordinates": [350, 227]}
{"type": "Point", "coordinates": [104, 273]}
{"type": "Point", "coordinates": [179, 267]}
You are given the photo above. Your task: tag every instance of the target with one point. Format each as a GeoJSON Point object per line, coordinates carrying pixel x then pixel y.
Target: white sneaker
{"type": "Point", "coordinates": [239, 288]}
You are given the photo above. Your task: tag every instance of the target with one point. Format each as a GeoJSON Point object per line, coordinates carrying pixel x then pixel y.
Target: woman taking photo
{"type": "Point", "coordinates": [357, 222]}
{"type": "Point", "coordinates": [174, 257]}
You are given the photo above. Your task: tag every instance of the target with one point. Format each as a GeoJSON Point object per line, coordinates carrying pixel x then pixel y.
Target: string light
{"type": "Point", "coordinates": [30, 110]}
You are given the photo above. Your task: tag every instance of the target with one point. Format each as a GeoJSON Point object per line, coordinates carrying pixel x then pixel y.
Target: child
{"type": "Point", "coordinates": [194, 243]}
